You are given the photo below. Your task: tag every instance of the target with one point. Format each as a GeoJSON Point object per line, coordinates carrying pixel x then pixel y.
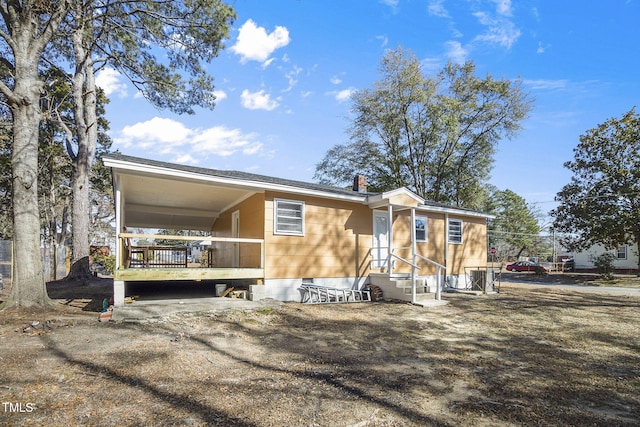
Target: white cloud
{"type": "Point", "coordinates": [335, 80]}
{"type": "Point", "coordinates": [541, 84]}
{"type": "Point", "coordinates": [156, 130]}
{"type": "Point", "coordinates": [342, 95]}
{"type": "Point", "coordinates": [501, 30]}
{"type": "Point", "coordinates": [258, 100]}
{"type": "Point", "coordinates": [185, 159]}
{"type": "Point", "coordinates": [224, 141]}
{"type": "Point", "coordinates": [255, 44]}
{"type": "Point", "coordinates": [436, 8]}
{"type": "Point", "coordinates": [291, 76]}
{"type": "Point", "coordinates": [251, 149]}
{"type": "Point", "coordinates": [431, 65]}
{"type": "Point", "coordinates": [220, 95]}
{"type": "Point", "coordinates": [171, 137]}
{"type": "Point", "coordinates": [384, 40]}
{"type": "Point", "coordinates": [503, 7]}
{"type": "Point", "coordinates": [268, 62]}
{"type": "Point", "coordinates": [535, 13]}
{"type": "Point", "coordinates": [109, 80]}
{"type": "Point", "coordinates": [393, 4]}
{"type": "Point", "coordinates": [456, 52]}
{"type": "Point", "coordinates": [540, 48]}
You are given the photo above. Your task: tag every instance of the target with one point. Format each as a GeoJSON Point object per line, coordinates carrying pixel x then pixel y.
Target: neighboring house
{"type": "Point", "coordinates": [626, 258]}
{"type": "Point", "coordinates": [270, 235]}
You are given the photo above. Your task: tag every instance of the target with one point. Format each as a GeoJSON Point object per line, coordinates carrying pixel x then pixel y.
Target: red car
{"type": "Point", "coordinates": [525, 266]}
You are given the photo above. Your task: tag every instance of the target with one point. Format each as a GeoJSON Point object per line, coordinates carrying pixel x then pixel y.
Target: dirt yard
{"type": "Point", "coordinates": [524, 356]}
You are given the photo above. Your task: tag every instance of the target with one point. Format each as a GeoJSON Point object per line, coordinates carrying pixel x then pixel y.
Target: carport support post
{"type": "Point", "coordinates": [118, 293]}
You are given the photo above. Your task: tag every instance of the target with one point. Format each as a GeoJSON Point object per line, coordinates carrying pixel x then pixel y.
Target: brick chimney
{"type": "Point", "coordinates": [360, 184]}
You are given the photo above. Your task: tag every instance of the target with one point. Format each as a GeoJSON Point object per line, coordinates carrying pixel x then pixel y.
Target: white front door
{"type": "Point", "coordinates": [380, 247]}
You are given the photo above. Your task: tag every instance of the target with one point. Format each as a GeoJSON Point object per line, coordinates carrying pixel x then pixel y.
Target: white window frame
{"type": "Point", "coordinates": [426, 228]}
{"type": "Point", "coordinates": [276, 230]}
{"type": "Point", "coordinates": [622, 250]}
{"type": "Point", "coordinates": [458, 239]}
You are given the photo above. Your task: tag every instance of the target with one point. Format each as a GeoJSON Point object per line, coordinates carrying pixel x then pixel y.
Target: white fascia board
{"type": "Point", "coordinates": [382, 199]}
{"type": "Point", "coordinates": [258, 186]}
{"type": "Point", "coordinates": [453, 211]}
{"type": "Point", "coordinates": [313, 193]}
{"type": "Point", "coordinates": [403, 191]}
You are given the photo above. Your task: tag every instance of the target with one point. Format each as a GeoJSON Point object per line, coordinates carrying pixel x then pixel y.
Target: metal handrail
{"type": "Point", "coordinates": [431, 261]}
{"type": "Point", "coordinates": [416, 267]}
{"type": "Point", "coordinates": [406, 261]}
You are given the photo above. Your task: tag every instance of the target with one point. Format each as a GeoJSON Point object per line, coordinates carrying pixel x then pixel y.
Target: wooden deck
{"type": "Point", "coordinates": [170, 263]}
{"type": "Point", "coordinates": [191, 274]}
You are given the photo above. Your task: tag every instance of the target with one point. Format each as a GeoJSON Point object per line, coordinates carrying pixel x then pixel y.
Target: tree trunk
{"type": "Point", "coordinates": [28, 284]}
{"type": "Point", "coordinates": [27, 30]}
{"type": "Point", "coordinates": [84, 95]}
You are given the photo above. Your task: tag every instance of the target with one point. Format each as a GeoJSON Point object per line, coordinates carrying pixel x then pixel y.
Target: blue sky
{"type": "Point", "coordinates": [284, 80]}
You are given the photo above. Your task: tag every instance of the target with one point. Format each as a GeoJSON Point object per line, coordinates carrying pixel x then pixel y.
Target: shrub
{"type": "Point", "coordinates": [539, 270]}
{"type": "Point", "coordinates": [604, 265]}
{"type": "Point", "coordinates": [108, 262]}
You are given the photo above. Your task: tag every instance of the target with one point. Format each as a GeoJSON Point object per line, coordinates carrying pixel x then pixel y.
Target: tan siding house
{"type": "Point", "coordinates": [270, 235]}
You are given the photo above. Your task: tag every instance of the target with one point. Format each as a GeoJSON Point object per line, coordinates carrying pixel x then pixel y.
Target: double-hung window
{"type": "Point", "coordinates": [289, 217]}
{"type": "Point", "coordinates": [455, 231]}
{"type": "Point", "coordinates": [622, 252]}
{"type": "Point", "coordinates": [421, 228]}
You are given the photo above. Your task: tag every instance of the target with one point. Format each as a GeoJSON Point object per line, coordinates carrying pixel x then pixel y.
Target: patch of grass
{"type": "Point", "coordinates": [618, 281]}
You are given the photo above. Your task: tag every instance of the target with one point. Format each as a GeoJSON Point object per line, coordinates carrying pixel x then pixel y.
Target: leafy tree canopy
{"type": "Point", "coordinates": [162, 47]}
{"type": "Point", "coordinates": [515, 224]}
{"type": "Point", "coordinates": [435, 135]}
{"type": "Point", "coordinates": [601, 204]}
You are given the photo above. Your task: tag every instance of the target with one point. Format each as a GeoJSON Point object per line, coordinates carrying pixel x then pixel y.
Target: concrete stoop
{"type": "Point", "coordinates": [430, 302]}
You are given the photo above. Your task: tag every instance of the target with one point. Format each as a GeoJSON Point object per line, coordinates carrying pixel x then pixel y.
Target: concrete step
{"type": "Point", "coordinates": [419, 290]}
{"type": "Point", "coordinates": [406, 285]}
{"type": "Point", "coordinates": [399, 288]}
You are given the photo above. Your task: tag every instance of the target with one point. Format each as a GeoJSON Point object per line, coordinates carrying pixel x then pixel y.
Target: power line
{"type": "Point", "coordinates": [603, 196]}
{"type": "Point", "coordinates": [513, 233]}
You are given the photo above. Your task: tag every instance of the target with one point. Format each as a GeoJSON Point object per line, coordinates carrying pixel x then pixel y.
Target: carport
{"type": "Point", "coordinates": [149, 196]}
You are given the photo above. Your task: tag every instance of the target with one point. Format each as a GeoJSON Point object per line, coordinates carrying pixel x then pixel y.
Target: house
{"type": "Point", "coordinates": [270, 235]}
{"type": "Point", "coordinates": [625, 258]}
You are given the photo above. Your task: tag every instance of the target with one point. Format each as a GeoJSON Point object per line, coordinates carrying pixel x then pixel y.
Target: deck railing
{"type": "Point", "coordinates": [236, 252]}
{"type": "Point", "coordinates": [157, 256]}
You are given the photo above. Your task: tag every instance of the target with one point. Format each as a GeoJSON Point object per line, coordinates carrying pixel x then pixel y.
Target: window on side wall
{"type": "Point", "coordinates": [455, 231]}
{"type": "Point", "coordinates": [289, 217]}
{"type": "Point", "coordinates": [622, 252]}
{"type": "Point", "coordinates": [421, 228]}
